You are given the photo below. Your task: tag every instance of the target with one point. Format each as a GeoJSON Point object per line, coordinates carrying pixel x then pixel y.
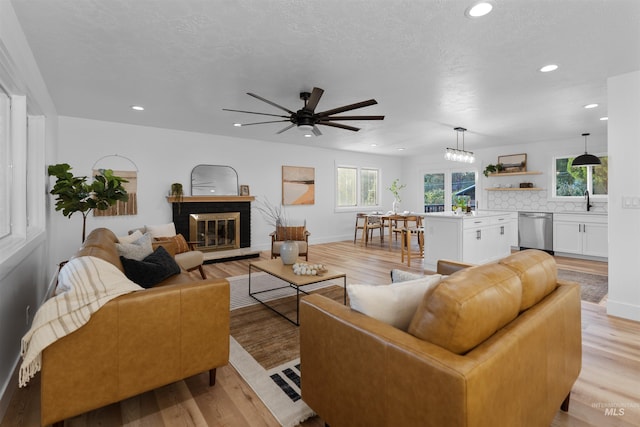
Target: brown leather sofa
{"type": "Point", "coordinates": [493, 345]}
{"type": "Point", "coordinates": [136, 342]}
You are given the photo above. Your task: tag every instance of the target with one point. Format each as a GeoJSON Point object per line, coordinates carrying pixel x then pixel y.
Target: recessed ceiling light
{"type": "Point", "coordinates": [401, 149]}
{"type": "Point", "coordinates": [237, 125]}
{"type": "Point", "coordinates": [479, 9]}
{"type": "Point", "coordinates": [137, 107]}
{"type": "Point", "coordinates": [590, 106]}
{"type": "Point", "coordinates": [548, 68]}
{"type": "Point", "coordinates": [308, 135]}
{"type": "Point", "coordinates": [374, 145]}
{"type": "Point", "coordinates": [604, 118]}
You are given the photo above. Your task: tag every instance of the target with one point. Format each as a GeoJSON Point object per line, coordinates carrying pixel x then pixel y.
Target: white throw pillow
{"type": "Point", "coordinates": [162, 230]}
{"type": "Point", "coordinates": [402, 276]}
{"type": "Point", "coordinates": [130, 238]}
{"type": "Point", "coordinates": [137, 250]}
{"type": "Point", "coordinates": [393, 304]}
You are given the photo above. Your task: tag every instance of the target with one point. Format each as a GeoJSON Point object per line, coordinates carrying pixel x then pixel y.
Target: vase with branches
{"type": "Point", "coordinates": [395, 190]}
{"type": "Point", "coordinates": [276, 216]}
{"type": "Point", "coordinates": [75, 194]}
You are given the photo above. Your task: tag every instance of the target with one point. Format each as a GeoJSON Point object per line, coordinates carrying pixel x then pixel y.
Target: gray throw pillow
{"type": "Point", "coordinates": [137, 250]}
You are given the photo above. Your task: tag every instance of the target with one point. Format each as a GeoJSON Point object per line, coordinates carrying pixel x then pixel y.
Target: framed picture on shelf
{"type": "Point", "coordinates": [244, 190]}
{"type": "Point", "coordinates": [513, 163]}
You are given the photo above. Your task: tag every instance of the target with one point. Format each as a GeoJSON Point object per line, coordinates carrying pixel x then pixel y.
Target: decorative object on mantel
{"type": "Point", "coordinates": [395, 190]}
{"type": "Point", "coordinates": [74, 194]}
{"type": "Point", "coordinates": [130, 184]}
{"type": "Point", "coordinates": [177, 193]}
{"type": "Point", "coordinates": [586, 159]}
{"type": "Point", "coordinates": [244, 190]}
{"type": "Point", "coordinates": [298, 185]}
{"type": "Point", "coordinates": [214, 180]}
{"type": "Point", "coordinates": [457, 155]}
{"type": "Point", "coordinates": [513, 162]}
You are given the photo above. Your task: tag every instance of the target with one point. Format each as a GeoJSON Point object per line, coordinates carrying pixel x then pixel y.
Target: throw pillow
{"type": "Point", "coordinates": [291, 233]}
{"type": "Point", "coordinates": [137, 250]}
{"type": "Point", "coordinates": [151, 270]}
{"type": "Point", "coordinates": [403, 276]}
{"type": "Point", "coordinates": [162, 230]}
{"type": "Point", "coordinates": [179, 241]}
{"type": "Point", "coordinates": [130, 238]}
{"type": "Point", "coordinates": [393, 304]}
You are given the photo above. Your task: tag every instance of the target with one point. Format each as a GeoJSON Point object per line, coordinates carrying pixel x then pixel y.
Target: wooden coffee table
{"type": "Point", "coordinates": [276, 268]}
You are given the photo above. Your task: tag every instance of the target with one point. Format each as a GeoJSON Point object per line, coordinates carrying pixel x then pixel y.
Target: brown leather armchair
{"type": "Point", "coordinates": [298, 234]}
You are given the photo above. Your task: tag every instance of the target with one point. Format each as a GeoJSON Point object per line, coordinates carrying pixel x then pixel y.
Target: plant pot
{"type": "Point", "coordinates": [289, 252]}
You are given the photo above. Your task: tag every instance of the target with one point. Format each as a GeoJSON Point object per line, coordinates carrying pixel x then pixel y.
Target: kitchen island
{"type": "Point", "coordinates": [476, 238]}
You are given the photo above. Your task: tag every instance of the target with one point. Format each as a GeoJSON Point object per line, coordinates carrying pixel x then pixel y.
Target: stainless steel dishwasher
{"type": "Point", "coordinates": [535, 231]}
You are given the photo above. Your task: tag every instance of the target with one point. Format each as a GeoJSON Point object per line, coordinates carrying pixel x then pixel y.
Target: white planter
{"type": "Point", "coordinates": [289, 252]}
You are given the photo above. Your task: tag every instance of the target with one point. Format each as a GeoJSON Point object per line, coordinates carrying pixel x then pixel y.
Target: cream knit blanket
{"type": "Point", "coordinates": [84, 285]}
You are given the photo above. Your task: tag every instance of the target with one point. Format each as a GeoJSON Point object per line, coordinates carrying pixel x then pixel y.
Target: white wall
{"type": "Point", "coordinates": [24, 267]}
{"type": "Point", "coordinates": [539, 158]}
{"type": "Point", "coordinates": [624, 180]}
{"type": "Point", "coordinates": [165, 156]}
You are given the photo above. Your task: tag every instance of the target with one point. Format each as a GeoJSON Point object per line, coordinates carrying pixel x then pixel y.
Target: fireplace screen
{"type": "Point", "coordinates": [215, 231]}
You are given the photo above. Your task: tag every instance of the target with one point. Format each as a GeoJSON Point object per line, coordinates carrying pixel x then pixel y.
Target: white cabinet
{"type": "Point", "coordinates": [476, 239]}
{"type": "Point", "coordinates": [581, 234]}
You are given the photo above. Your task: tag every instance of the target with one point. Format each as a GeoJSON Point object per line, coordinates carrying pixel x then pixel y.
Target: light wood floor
{"type": "Point", "coordinates": [610, 372]}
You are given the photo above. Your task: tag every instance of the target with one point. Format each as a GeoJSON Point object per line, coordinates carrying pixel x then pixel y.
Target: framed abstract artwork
{"type": "Point", "coordinates": [298, 185]}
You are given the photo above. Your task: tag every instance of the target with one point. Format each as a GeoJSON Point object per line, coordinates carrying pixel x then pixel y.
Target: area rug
{"type": "Point", "coordinates": [593, 287]}
{"type": "Point", "coordinates": [265, 347]}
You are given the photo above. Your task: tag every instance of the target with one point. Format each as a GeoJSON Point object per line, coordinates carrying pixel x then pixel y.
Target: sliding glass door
{"type": "Point", "coordinates": [443, 189]}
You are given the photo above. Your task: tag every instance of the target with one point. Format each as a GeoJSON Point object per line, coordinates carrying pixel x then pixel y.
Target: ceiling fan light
{"type": "Point", "coordinates": [479, 9]}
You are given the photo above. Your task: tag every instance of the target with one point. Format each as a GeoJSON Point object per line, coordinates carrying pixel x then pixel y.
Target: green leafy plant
{"type": "Point", "coordinates": [493, 169]}
{"type": "Point", "coordinates": [75, 194]}
{"type": "Point", "coordinates": [177, 193]}
{"type": "Point", "coordinates": [395, 189]}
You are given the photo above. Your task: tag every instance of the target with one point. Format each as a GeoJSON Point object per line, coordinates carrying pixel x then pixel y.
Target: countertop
{"type": "Point", "coordinates": [474, 214]}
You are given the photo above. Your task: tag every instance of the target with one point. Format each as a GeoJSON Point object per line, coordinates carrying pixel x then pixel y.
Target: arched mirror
{"type": "Point", "coordinates": [214, 180]}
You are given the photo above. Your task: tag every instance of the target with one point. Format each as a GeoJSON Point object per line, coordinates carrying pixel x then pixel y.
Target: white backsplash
{"type": "Point", "coordinates": [537, 201]}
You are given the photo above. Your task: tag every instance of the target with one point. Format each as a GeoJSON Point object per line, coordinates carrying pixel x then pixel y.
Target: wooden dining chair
{"type": "Point", "coordinates": [371, 223]}
{"type": "Point", "coordinates": [361, 219]}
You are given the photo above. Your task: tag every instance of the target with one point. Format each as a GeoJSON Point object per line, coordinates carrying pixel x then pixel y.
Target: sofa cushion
{"type": "Point", "coordinates": [179, 241]}
{"type": "Point", "coordinates": [138, 250]}
{"type": "Point", "coordinates": [468, 307]}
{"type": "Point", "coordinates": [393, 304]}
{"type": "Point", "coordinates": [538, 273]}
{"type": "Point", "coordinates": [151, 270]}
{"type": "Point", "coordinates": [398, 275]}
{"type": "Point", "coordinates": [161, 230]}
{"type": "Point", "coordinates": [131, 237]}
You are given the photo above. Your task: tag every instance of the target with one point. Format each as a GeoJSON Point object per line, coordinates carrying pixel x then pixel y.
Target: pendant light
{"type": "Point", "coordinates": [586, 159]}
{"type": "Point", "coordinates": [457, 155]}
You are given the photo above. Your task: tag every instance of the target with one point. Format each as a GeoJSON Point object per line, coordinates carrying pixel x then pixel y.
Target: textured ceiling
{"type": "Point", "coordinates": [429, 67]}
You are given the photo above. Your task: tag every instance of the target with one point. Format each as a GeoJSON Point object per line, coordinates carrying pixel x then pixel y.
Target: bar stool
{"type": "Point", "coordinates": [407, 233]}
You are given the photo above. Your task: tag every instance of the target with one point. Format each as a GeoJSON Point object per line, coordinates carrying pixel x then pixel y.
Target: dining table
{"type": "Point", "coordinates": [392, 221]}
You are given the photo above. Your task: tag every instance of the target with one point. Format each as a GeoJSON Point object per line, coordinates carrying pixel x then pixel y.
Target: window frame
{"type": "Point", "coordinates": [358, 184]}
{"type": "Point", "coordinates": [554, 173]}
{"type": "Point", "coordinates": [448, 182]}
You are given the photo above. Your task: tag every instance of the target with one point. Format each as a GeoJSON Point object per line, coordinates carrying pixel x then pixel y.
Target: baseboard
{"type": "Point", "coordinates": [9, 388]}
{"type": "Point", "coordinates": [623, 310]}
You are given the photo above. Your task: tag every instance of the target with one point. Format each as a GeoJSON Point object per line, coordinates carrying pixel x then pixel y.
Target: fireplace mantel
{"type": "Point", "coordinates": [210, 199]}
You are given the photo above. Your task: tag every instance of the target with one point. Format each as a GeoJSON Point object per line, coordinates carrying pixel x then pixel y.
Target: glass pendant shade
{"type": "Point", "coordinates": [457, 155]}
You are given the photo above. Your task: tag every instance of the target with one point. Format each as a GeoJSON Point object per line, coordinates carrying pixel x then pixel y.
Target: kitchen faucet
{"type": "Point", "coordinates": [586, 194]}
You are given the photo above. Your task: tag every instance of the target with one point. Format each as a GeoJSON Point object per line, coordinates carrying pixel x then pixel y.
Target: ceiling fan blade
{"type": "Point", "coordinates": [316, 94]}
{"type": "Point", "coordinates": [316, 131]}
{"type": "Point", "coordinates": [286, 129]}
{"type": "Point", "coordinates": [352, 118]}
{"type": "Point", "coordinates": [347, 108]}
{"type": "Point", "coordinates": [261, 123]}
{"type": "Point", "coordinates": [270, 103]}
{"type": "Point", "coordinates": [339, 125]}
{"type": "Point", "coordinates": [253, 112]}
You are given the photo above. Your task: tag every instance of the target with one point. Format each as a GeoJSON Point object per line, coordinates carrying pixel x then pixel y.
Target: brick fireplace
{"type": "Point", "coordinates": [224, 215]}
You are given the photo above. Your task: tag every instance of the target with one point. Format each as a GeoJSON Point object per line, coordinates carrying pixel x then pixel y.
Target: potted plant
{"type": "Point", "coordinates": [395, 190]}
{"type": "Point", "coordinates": [75, 194]}
{"type": "Point", "coordinates": [177, 193]}
{"type": "Point", "coordinates": [497, 168]}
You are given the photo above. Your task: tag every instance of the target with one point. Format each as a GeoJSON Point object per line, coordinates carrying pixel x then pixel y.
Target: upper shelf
{"type": "Point", "coordinates": [515, 173]}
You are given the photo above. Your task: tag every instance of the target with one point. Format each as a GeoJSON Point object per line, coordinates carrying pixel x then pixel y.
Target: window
{"type": "Point", "coordinates": [572, 181]}
{"type": "Point", "coordinates": [450, 186]}
{"type": "Point", "coordinates": [357, 187]}
{"type": "Point", "coordinates": [5, 166]}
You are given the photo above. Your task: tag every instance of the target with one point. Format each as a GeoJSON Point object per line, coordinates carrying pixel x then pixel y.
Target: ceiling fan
{"type": "Point", "coordinates": [306, 119]}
